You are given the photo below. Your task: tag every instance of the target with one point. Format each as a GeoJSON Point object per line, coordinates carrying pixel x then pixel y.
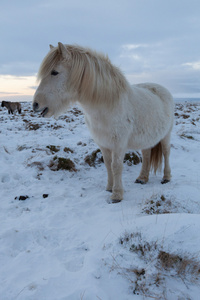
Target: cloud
{"type": "Point", "coordinates": [16, 85]}
{"type": "Point", "coordinates": [157, 62]}
{"type": "Point", "coordinates": [177, 80]}
{"type": "Point", "coordinates": [129, 47]}
{"type": "Point", "coordinates": [193, 65]}
{"type": "Point", "coordinates": [140, 58]}
{"type": "Point", "coordinates": [141, 37]}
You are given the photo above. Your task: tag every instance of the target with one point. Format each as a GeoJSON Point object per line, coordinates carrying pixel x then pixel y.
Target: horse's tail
{"type": "Point", "coordinates": [156, 157]}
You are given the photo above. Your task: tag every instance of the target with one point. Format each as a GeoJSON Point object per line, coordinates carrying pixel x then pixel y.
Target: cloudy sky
{"type": "Point", "coordinates": [150, 40]}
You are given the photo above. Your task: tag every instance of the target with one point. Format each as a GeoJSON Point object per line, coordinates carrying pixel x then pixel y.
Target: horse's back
{"type": "Point", "coordinates": [153, 109]}
{"type": "Point", "coordinates": [155, 89]}
{"type": "Point", "coordinates": [154, 97]}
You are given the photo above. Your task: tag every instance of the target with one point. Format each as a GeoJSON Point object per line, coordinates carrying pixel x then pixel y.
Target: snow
{"type": "Point", "coordinates": [72, 244]}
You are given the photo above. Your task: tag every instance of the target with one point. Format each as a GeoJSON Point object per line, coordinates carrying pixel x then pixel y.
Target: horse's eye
{"type": "Point", "coordinates": [54, 73]}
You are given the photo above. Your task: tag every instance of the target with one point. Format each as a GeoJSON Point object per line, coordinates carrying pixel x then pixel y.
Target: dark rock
{"type": "Point", "coordinates": [22, 198]}
{"type": "Point", "coordinates": [45, 195]}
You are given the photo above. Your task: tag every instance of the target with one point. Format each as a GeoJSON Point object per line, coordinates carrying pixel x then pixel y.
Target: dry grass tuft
{"type": "Point", "coordinates": [151, 267]}
{"type": "Point", "coordinates": [158, 205]}
{"type": "Point", "coordinates": [182, 265]}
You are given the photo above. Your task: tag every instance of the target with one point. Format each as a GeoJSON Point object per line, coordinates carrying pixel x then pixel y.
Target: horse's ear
{"type": "Point", "coordinates": [51, 46]}
{"type": "Point", "coordinates": [62, 50]}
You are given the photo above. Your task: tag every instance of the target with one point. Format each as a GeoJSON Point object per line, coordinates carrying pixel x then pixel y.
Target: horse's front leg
{"type": "Point", "coordinates": [117, 167]}
{"type": "Point", "coordinates": [107, 157]}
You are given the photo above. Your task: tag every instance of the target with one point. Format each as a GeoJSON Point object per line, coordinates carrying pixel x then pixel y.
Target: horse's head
{"type": "Point", "coordinates": [52, 95]}
{"type": "Point", "coordinates": [2, 103]}
{"type": "Point", "coordinates": [72, 73]}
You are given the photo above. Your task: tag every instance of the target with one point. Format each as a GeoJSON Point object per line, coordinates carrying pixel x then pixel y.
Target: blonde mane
{"type": "Point", "coordinates": [91, 74]}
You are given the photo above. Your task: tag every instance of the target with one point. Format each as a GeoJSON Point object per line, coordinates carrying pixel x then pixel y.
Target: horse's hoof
{"type": "Point", "coordinates": [110, 191]}
{"type": "Point", "coordinates": [140, 181]}
{"type": "Point", "coordinates": [115, 201]}
{"type": "Point", "coordinates": [117, 196]}
{"type": "Point", "coordinates": [165, 181]}
{"type": "Point", "coordinates": [111, 201]}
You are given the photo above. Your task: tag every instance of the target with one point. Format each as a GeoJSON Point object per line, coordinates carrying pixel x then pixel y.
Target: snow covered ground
{"type": "Point", "coordinates": [60, 239]}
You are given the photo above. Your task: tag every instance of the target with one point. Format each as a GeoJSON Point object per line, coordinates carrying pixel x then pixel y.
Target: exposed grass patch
{"type": "Point", "coordinates": [67, 119]}
{"type": "Point", "coordinates": [68, 150]}
{"type": "Point", "coordinates": [185, 136]}
{"type": "Point", "coordinates": [94, 158]}
{"type": "Point", "coordinates": [55, 126]}
{"type": "Point", "coordinates": [185, 116]}
{"type": "Point", "coordinates": [38, 164]}
{"type": "Point", "coordinates": [61, 163]}
{"type": "Point", "coordinates": [76, 112]}
{"type": "Point", "coordinates": [32, 126]}
{"type": "Point", "coordinates": [81, 144]}
{"type": "Point", "coordinates": [53, 149]}
{"type": "Point", "coordinates": [23, 147]}
{"type": "Point", "coordinates": [132, 158]}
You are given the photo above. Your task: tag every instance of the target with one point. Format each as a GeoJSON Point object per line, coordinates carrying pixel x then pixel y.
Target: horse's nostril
{"type": "Point", "coordinates": [35, 105]}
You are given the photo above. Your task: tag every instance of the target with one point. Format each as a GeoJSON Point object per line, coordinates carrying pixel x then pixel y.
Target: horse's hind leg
{"type": "Point", "coordinates": [166, 152]}
{"type": "Point", "coordinates": [144, 173]}
{"type": "Point", "coordinates": [107, 157]}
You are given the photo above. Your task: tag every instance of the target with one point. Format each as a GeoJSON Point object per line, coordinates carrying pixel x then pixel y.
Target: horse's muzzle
{"type": "Point", "coordinates": [44, 111]}
{"type": "Point", "coordinates": [35, 106]}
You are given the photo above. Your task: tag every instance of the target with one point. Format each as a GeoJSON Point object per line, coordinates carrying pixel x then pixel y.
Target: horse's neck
{"type": "Point", "coordinates": [101, 113]}
{"type": "Point", "coordinates": [108, 108]}
{"type": "Point", "coordinates": [91, 110]}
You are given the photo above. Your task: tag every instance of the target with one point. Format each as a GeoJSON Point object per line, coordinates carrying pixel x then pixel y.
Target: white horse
{"type": "Point", "coordinates": [118, 115]}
